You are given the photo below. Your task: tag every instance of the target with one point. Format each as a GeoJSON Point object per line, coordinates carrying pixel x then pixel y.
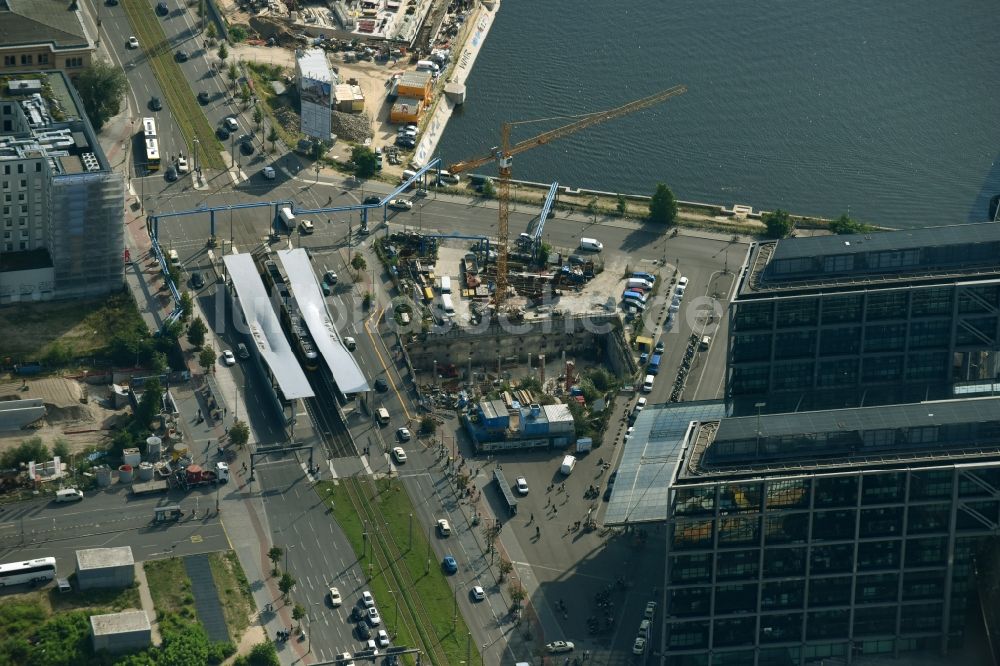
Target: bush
{"type": "Point", "coordinates": [663, 206]}
{"type": "Point", "coordinates": [778, 224]}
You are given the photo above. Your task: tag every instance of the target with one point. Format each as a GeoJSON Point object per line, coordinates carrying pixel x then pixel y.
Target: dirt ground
{"type": "Point", "coordinates": [81, 424]}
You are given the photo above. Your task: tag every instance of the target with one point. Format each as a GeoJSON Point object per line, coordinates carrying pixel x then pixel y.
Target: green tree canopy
{"type": "Point", "coordinates": [273, 137]}
{"type": "Point", "coordinates": [847, 225]}
{"type": "Point", "coordinates": [239, 433]}
{"type": "Point", "coordinates": [663, 206]}
{"type": "Point", "coordinates": [358, 262]}
{"type": "Point", "coordinates": [150, 403]}
{"type": "Point", "coordinates": [275, 554]}
{"type": "Point", "coordinates": [364, 160]}
{"type": "Point", "coordinates": [101, 87]}
{"type": "Point", "coordinates": [206, 358]}
{"type": "Point", "coordinates": [286, 584]}
{"type": "Point", "coordinates": [196, 332]}
{"type": "Point", "coordinates": [223, 52]}
{"type": "Point", "coordinates": [778, 224]}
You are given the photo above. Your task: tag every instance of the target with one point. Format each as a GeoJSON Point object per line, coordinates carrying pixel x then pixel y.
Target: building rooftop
{"type": "Point", "coordinates": [53, 22]}
{"type": "Point", "coordinates": [914, 433]}
{"type": "Point", "coordinates": [312, 64]}
{"type": "Point", "coordinates": [883, 258]}
{"type": "Point", "coordinates": [102, 558]}
{"type": "Point", "coordinates": [48, 121]}
{"type": "Point", "coordinates": [265, 329]}
{"type": "Point", "coordinates": [339, 360]}
{"type": "Point", "coordinates": [642, 489]}
{"type": "Point", "coordinates": [557, 413]}
{"type": "Point", "coordinates": [415, 79]}
{"type": "Point", "coordinates": [119, 623]}
{"type": "Point", "coordinates": [493, 409]}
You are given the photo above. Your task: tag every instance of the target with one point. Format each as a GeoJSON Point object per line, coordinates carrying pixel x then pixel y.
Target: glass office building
{"type": "Point", "coordinates": [800, 536]}
{"type": "Point", "coordinates": [839, 321]}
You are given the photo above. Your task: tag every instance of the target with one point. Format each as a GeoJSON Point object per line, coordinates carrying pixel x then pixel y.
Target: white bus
{"type": "Point", "coordinates": [31, 571]}
{"type": "Point", "coordinates": [152, 155]}
{"type": "Point", "coordinates": [148, 128]}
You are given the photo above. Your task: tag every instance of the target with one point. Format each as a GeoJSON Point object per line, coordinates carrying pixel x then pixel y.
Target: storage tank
{"type": "Point", "coordinates": [125, 474]}
{"type": "Point", "coordinates": [145, 471]}
{"type": "Point", "coordinates": [131, 457]}
{"type": "Point", "coordinates": [178, 451]}
{"type": "Point", "coordinates": [154, 448]}
{"type": "Point", "coordinates": [103, 474]}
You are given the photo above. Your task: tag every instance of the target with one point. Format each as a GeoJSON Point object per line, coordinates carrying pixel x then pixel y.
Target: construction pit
{"type": "Point", "coordinates": [556, 325]}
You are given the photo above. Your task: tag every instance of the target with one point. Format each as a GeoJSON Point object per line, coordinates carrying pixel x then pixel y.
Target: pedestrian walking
{"type": "Point", "coordinates": [532, 518]}
{"type": "Point", "coordinates": [538, 531]}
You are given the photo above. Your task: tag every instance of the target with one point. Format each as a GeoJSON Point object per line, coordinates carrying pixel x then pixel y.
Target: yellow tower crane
{"type": "Point", "coordinates": [504, 155]}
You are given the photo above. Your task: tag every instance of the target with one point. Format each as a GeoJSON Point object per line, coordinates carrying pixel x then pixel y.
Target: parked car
{"type": "Point", "coordinates": [330, 277]}
{"type": "Point", "coordinates": [197, 281]}
{"type": "Point", "coordinates": [639, 646]}
{"type": "Point", "coordinates": [222, 133]}
{"type": "Point", "coordinates": [398, 454]}
{"type": "Point", "coordinates": [182, 164]}
{"type": "Point", "coordinates": [522, 485]}
{"type": "Point", "coordinates": [228, 357]}
{"type": "Point", "coordinates": [231, 124]}
{"type": "Point", "coordinates": [659, 347]}
{"type": "Point", "coordinates": [382, 637]}
{"type": "Point", "coordinates": [242, 352]}
{"type": "Point", "coordinates": [374, 618]}
{"type": "Point", "coordinates": [364, 633]}
{"type": "Point", "coordinates": [367, 599]}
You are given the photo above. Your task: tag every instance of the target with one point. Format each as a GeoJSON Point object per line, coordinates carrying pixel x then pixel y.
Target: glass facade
{"type": "Point", "coordinates": [913, 335]}
{"type": "Point", "coordinates": [793, 569]}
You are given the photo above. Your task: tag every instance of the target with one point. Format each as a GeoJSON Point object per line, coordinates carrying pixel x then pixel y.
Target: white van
{"type": "Point", "coordinates": [445, 284]}
{"type": "Point", "coordinates": [591, 244]}
{"type": "Point", "coordinates": [428, 66]}
{"type": "Point", "coordinates": [69, 495]}
{"type": "Point", "coordinates": [447, 305]}
{"type": "Point", "coordinates": [173, 257]}
{"type": "Point", "coordinates": [568, 463]}
{"type": "Point", "coordinates": [447, 177]}
{"type": "Point", "coordinates": [287, 216]}
{"type": "Point", "coordinates": [647, 385]}
{"type": "Point", "coordinates": [383, 416]}
{"type": "Point", "coordinates": [639, 283]}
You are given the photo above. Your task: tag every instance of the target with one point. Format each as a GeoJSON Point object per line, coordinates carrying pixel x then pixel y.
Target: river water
{"type": "Point", "coordinates": [882, 110]}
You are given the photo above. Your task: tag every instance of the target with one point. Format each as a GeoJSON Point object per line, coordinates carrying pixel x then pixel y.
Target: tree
{"type": "Point", "coordinates": [358, 262]}
{"type": "Point", "coordinates": [223, 52]}
{"type": "Point", "coordinates": [150, 403]}
{"type": "Point", "coordinates": [237, 34]}
{"type": "Point", "coordinates": [258, 116]}
{"type": "Point", "coordinates": [196, 332]}
{"type": "Point", "coordinates": [233, 74]}
{"type": "Point", "coordinates": [263, 654]}
{"type": "Point", "coordinates": [428, 425]}
{"type": "Point", "coordinates": [206, 358]}
{"type": "Point", "coordinates": [158, 363]}
{"type": "Point", "coordinates": [187, 306]}
{"type": "Point", "coordinates": [273, 137]}
{"type": "Point", "coordinates": [489, 190]}
{"type": "Point", "coordinates": [275, 554]}
{"type": "Point", "coordinates": [778, 224]}
{"type": "Point", "coordinates": [366, 300]}
{"type": "Point", "coordinates": [505, 568]}
{"type": "Point", "coordinates": [365, 162]}
{"type": "Point", "coordinates": [516, 593]}
{"type": "Point", "coordinates": [663, 206]}
{"type": "Point", "coordinates": [25, 452]}
{"type": "Point", "coordinates": [239, 433]}
{"type": "Point", "coordinates": [211, 32]}
{"type": "Point", "coordinates": [61, 448]}
{"type": "Point", "coordinates": [846, 225]}
{"type": "Point", "coordinates": [622, 205]}
{"type": "Point", "coordinates": [101, 87]}
{"type": "Point", "coordinates": [286, 584]}
{"type": "Point", "coordinates": [245, 94]}
{"type": "Point", "coordinates": [298, 612]}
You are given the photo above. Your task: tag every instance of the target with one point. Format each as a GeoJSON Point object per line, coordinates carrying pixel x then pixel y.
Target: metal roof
{"type": "Point", "coordinates": [341, 362]}
{"type": "Point", "coordinates": [265, 328]}
{"type": "Point", "coordinates": [642, 489]}
{"type": "Point", "coordinates": [884, 417]}
{"type": "Point", "coordinates": [312, 64]}
{"type": "Point", "coordinates": [43, 21]}
{"type": "Point", "coordinates": [817, 246]}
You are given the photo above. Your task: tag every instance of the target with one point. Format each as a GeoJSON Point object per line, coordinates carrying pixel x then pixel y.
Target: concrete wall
{"type": "Point", "coordinates": [577, 336]}
{"type": "Point", "coordinates": [114, 577]}
{"type": "Point", "coordinates": [33, 284]}
{"type": "Point", "coordinates": [15, 414]}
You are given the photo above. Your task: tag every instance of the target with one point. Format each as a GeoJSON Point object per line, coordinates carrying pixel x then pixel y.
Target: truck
{"type": "Point", "coordinates": [196, 475]}
{"type": "Point", "coordinates": [147, 487]}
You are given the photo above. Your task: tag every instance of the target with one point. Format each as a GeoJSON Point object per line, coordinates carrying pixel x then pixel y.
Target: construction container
{"type": "Point", "coordinates": [131, 457]}
{"type": "Point", "coordinates": [559, 419]}
{"type": "Point", "coordinates": [534, 421]}
{"type": "Point", "coordinates": [415, 84]}
{"type": "Point", "coordinates": [348, 98]}
{"type": "Point", "coordinates": [144, 472]}
{"type": "Point", "coordinates": [494, 415]}
{"type": "Point", "coordinates": [125, 474]}
{"type": "Point", "coordinates": [406, 110]}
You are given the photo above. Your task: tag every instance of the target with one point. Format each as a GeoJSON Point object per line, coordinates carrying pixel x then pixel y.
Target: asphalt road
{"type": "Point", "coordinates": [107, 518]}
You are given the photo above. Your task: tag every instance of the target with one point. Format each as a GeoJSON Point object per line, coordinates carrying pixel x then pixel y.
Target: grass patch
{"type": "Point", "coordinates": [234, 591]}
{"type": "Point", "coordinates": [35, 331]}
{"type": "Point", "coordinates": [427, 588]}
{"type": "Point", "coordinates": [178, 96]}
{"type": "Point", "coordinates": [170, 588]}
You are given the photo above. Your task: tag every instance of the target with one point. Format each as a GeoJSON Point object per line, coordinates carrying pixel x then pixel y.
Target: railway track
{"type": "Point", "coordinates": [324, 412]}
{"type": "Point", "coordinates": [386, 554]}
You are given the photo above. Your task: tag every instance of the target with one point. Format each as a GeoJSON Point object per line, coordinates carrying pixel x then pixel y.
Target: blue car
{"type": "Point", "coordinates": [449, 564]}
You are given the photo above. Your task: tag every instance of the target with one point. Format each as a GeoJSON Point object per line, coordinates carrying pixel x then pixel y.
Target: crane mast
{"type": "Point", "coordinates": [504, 156]}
